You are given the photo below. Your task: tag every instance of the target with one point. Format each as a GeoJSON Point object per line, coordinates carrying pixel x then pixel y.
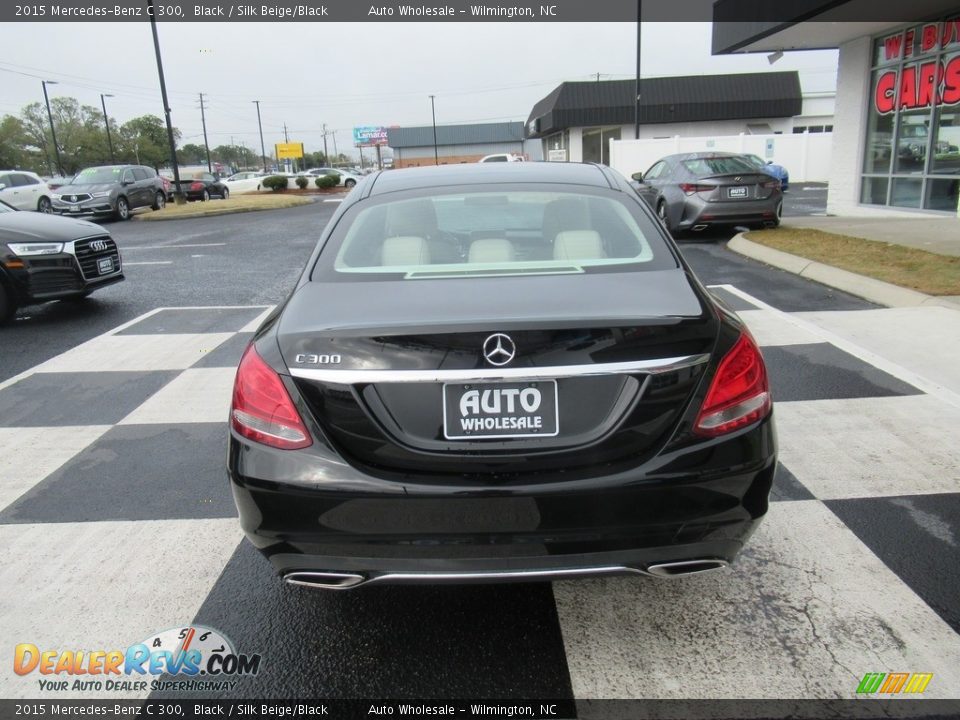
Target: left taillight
{"type": "Point", "coordinates": [262, 410]}
{"type": "Point", "coordinates": [196, 186]}
{"type": "Point", "coordinates": [739, 394]}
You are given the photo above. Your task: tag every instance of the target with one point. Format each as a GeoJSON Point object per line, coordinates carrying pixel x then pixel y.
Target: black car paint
{"type": "Point", "coordinates": [376, 495]}
{"type": "Point", "coordinates": [46, 277]}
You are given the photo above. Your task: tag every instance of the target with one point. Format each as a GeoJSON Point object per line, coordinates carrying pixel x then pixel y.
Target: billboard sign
{"type": "Point", "coordinates": [289, 151]}
{"type": "Point", "coordinates": [369, 135]}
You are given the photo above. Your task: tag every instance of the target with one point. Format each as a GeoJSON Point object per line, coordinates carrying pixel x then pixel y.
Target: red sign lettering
{"type": "Point", "coordinates": [928, 38]}
{"type": "Point", "coordinates": [921, 86]}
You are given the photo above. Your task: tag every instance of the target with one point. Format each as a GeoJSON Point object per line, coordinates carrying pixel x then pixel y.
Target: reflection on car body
{"type": "Point", "coordinates": [529, 383]}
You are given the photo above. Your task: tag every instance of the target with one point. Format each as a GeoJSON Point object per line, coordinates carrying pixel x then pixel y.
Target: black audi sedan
{"type": "Point", "coordinates": [45, 257]}
{"type": "Point", "coordinates": [499, 372]}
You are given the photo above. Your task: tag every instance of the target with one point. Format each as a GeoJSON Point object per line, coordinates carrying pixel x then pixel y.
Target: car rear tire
{"type": "Point", "coordinates": [662, 216]}
{"type": "Point", "coordinates": [160, 201]}
{"type": "Point", "coordinates": [44, 205]}
{"type": "Point", "coordinates": [349, 183]}
{"type": "Point", "coordinates": [225, 194]}
{"type": "Point", "coordinates": [206, 196]}
{"type": "Point", "coordinates": [123, 209]}
{"type": "Point", "coordinates": [778, 213]}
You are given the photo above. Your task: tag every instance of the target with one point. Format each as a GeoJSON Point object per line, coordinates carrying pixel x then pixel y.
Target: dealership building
{"type": "Point", "coordinates": [414, 146]}
{"type": "Point", "coordinates": [577, 120]}
{"type": "Point", "coordinates": [896, 128]}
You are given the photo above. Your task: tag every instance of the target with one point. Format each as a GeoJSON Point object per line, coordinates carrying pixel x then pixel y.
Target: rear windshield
{"type": "Point", "coordinates": [718, 166]}
{"type": "Point", "coordinates": [97, 175]}
{"type": "Point", "coordinates": [492, 233]}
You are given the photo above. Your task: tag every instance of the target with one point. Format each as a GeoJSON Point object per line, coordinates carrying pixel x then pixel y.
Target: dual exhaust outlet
{"type": "Point", "coordinates": [348, 581]}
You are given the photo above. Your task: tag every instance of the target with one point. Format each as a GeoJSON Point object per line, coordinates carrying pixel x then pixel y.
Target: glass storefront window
{"type": "Point", "coordinates": [943, 194]}
{"type": "Point", "coordinates": [874, 190]}
{"type": "Point", "coordinates": [912, 139]}
{"type": "Point", "coordinates": [906, 192]}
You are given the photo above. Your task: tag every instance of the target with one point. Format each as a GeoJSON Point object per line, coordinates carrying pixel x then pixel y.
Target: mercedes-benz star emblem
{"type": "Point", "coordinates": [499, 349]}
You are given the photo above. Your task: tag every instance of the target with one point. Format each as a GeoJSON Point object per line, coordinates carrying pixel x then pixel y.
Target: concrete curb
{"type": "Point", "coordinates": [214, 212]}
{"type": "Point", "coordinates": [876, 291]}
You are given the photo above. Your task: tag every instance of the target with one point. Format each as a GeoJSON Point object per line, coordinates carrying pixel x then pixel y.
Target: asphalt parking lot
{"type": "Point", "coordinates": [116, 521]}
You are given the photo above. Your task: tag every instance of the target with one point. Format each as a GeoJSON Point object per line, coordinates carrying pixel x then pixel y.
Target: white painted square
{"type": "Point", "coordinates": [135, 352]}
{"type": "Point", "coordinates": [103, 586]}
{"type": "Point", "coordinates": [870, 447]}
{"type": "Point", "coordinates": [805, 612]}
{"type": "Point", "coordinates": [195, 396]}
{"type": "Point", "coordinates": [770, 329]}
{"type": "Point", "coordinates": [29, 454]}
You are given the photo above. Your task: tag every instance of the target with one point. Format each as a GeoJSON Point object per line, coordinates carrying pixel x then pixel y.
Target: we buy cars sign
{"type": "Point", "coordinates": [926, 82]}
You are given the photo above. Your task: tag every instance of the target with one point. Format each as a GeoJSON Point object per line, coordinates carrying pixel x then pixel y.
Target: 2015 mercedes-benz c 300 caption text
{"type": "Point", "coordinates": [499, 372]}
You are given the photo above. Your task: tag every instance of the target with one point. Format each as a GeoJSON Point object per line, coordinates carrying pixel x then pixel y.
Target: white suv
{"type": "Point", "coordinates": [502, 157]}
{"type": "Point", "coordinates": [24, 190]}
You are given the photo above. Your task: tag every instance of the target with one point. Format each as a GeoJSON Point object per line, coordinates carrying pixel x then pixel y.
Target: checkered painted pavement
{"type": "Point", "coordinates": [116, 522]}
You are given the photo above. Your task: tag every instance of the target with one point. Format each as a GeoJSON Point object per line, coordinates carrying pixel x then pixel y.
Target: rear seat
{"type": "Point", "coordinates": [491, 250]}
{"type": "Point", "coordinates": [404, 250]}
{"type": "Point", "coordinates": [578, 245]}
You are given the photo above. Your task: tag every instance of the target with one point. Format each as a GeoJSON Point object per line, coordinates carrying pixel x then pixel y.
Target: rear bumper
{"type": "Point", "coordinates": [697, 504]}
{"type": "Point", "coordinates": [729, 213]}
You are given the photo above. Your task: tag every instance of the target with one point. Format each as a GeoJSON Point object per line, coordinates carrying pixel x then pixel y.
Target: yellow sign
{"type": "Point", "coordinates": [289, 151]}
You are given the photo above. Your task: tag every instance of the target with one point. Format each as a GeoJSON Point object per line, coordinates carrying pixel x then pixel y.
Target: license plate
{"type": "Point", "coordinates": [737, 192]}
{"type": "Point", "coordinates": [105, 266]}
{"type": "Point", "coordinates": [500, 410]}
{"type": "Point", "coordinates": [74, 209]}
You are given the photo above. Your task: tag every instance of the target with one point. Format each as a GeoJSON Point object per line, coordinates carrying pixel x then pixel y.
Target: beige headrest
{"type": "Point", "coordinates": [405, 250]}
{"type": "Point", "coordinates": [578, 245]}
{"type": "Point", "coordinates": [491, 250]}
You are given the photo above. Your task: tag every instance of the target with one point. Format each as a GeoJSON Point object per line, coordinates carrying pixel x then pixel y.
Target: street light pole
{"type": "Point", "coordinates": [636, 107]}
{"type": "Point", "coordinates": [178, 193]}
{"type": "Point", "coordinates": [53, 132]}
{"type": "Point", "coordinates": [106, 121]}
{"type": "Point", "coordinates": [433, 112]}
{"type": "Point", "coordinates": [263, 151]}
{"type": "Point", "coordinates": [206, 145]}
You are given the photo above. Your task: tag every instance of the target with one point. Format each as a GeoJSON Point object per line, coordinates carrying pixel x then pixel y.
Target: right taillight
{"type": "Point", "coordinates": [739, 394]}
{"type": "Point", "coordinates": [691, 188]}
{"type": "Point", "coordinates": [262, 410]}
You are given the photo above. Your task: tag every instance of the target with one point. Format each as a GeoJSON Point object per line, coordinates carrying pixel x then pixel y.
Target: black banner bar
{"type": "Point", "coordinates": [579, 11]}
{"type": "Point", "coordinates": [559, 709]}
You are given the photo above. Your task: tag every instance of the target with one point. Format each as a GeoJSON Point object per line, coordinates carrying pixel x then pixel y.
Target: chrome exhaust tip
{"type": "Point", "coordinates": [769, 224]}
{"type": "Point", "coordinates": [324, 580]}
{"type": "Point", "coordinates": [686, 567]}
{"type": "Point", "coordinates": [698, 228]}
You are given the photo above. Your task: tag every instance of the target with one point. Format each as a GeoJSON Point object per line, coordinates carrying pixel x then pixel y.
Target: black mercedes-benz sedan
{"type": "Point", "coordinates": [499, 372]}
{"type": "Point", "coordinates": [45, 257]}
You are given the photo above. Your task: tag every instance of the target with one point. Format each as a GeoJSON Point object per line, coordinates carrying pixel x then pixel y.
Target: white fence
{"type": "Point", "coordinates": [805, 156]}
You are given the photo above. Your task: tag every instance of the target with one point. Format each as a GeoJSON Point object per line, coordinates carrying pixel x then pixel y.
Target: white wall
{"type": "Point", "coordinates": [849, 129]}
{"type": "Point", "coordinates": [805, 156]}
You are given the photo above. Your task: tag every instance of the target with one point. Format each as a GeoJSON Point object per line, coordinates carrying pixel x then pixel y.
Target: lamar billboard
{"type": "Point", "coordinates": [927, 82]}
{"type": "Point", "coordinates": [369, 135]}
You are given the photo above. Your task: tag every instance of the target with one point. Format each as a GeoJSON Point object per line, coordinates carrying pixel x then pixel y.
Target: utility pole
{"type": "Point", "coordinates": [598, 77]}
{"type": "Point", "coordinates": [203, 120]}
{"type": "Point", "coordinates": [178, 195]}
{"type": "Point", "coordinates": [106, 121]}
{"type": "Point", "coordinates": [53, 131]}
{"type": "Point", "coordinates": [286, 138]}
{"type": "Point", "coordinates": [636, 107]}
{"type": "Point", "coordinates": [325, 155]}
{"type": "Point", "coordinates": [433, 112]}
{"type": "Point", "coordinates": [263, 151]}
{"type": "Point", "coordinates": [335, 153]}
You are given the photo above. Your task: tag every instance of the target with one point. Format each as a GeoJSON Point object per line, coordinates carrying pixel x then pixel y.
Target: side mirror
{"type": "Point", "coordinates": [2, 186]}
{"type": "Point", "coordinates": [638, 176]}
{"type": "Point", "coordinates": [127, 181]}
{"type": "Point", "coordinates": [769, 162]}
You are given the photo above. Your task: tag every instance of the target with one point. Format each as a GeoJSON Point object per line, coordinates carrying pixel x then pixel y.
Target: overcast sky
{"type": "Point", "coordinates": [349, 74]}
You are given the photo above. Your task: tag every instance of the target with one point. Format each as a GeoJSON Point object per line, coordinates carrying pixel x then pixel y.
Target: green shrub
{"type": "Point", "coordinates": [325, 181]}
{"type": "Point", "coordinates": [275, 182]}
{"type": "Point", "coordinates": [301, 182]}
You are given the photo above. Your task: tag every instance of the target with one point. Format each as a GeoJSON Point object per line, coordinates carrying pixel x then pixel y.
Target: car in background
{"type": "Point", "coordinates": [502, 157]}
{"type": "Point", "coordinates": [694, 191]}
{"type": "Point", "coordinates": [25, 191]}
{"type": "Point", "coordinates": [504, 374]}
{"type": "Point", "coordinates": [202, 186]}
{"type": "Point", "coordinates": [771, 168]}
{"type": "Point", "coordinates": [343, 177]}
{"type": "Point", "coordinates": [242, 182]}
{"type": "Point", "coordinates": [44, 257]}
{"type": "Point", "coordinates": [110, 191]}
